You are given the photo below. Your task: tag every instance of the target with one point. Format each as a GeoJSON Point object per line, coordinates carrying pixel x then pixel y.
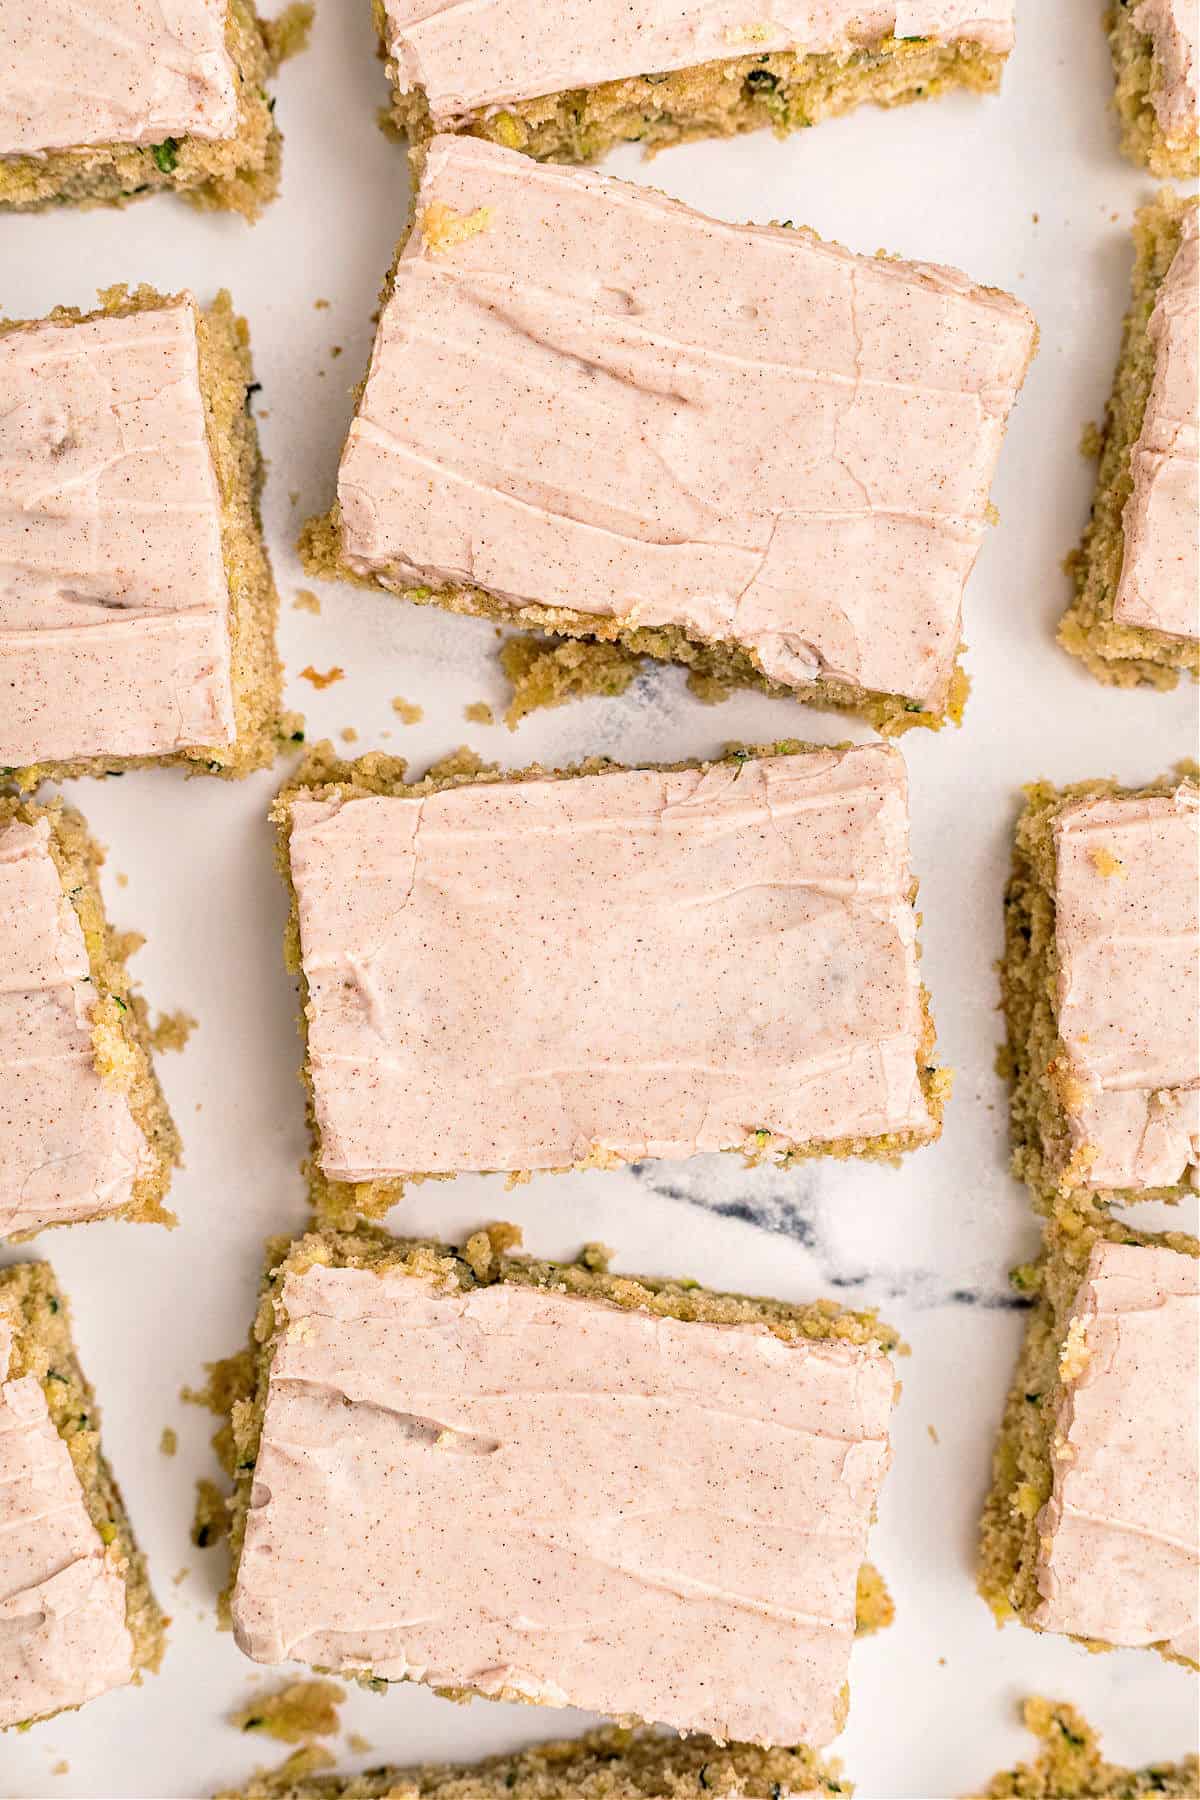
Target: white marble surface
{"type": "Point", "coordinates": [1027, 192]}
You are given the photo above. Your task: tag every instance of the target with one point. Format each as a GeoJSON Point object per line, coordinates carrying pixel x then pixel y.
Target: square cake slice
{"type": "Point", "coordinates": [543, 1482]}
{"type": "Point", "coordinates": [1101, 992]}
{"type": "Point", "coordinates": [106, 101]}
{"type": "Point", "coordinates": [491, 966]}
{"type": "Point", "coordinates": [1156, 61]}
{"type": "Point", "coordinates": [1071, 1766]}
{"type": "Point", "coordinates": [84, 1128]}
{"type": "Point", "coordinates": [609, 1764]}
{"type": "Point", "coordinates": [1136, 613]}
{"type": "Point", "coordinates": [570, 85]}
{"type": "Point", "coordinates": [1093, 1524]}
{"type": "Point", "coordinates": [79, 1616]}
{"type": "Point", "coordinates": [137, 609]}
{"type": "Point", "coordinates": [738, 447]}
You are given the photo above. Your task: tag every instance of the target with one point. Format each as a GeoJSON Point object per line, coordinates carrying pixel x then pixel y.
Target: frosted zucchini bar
{"type": "Point", "coordinates": [137, 608]}
{"type": "Point", "coordinates": [572, 83]}
{"type": "Point", "coordinates": [79, 1616]}
{"type": "Point", "coordinates": [1136, 613]}
{"type": "Point", "coordinates": [532, 1481]}
{"type": "Point", "coordinates": [737, 447]}
{"type": "Point", "coordinates": [1100, 991]}
{"type": "Point", "coordinates": [490, 966]}
{"type": "Point", "coordinates": [1156, 61]}
{"type": "Point", "coordinates": [84, 1128]}
{"type": "Point", "coordinates": [102, 102]}
{"type": "Point", "coordinates": [1092, 1527]}
{"type": "Point", "coordinates": [611, 1764]}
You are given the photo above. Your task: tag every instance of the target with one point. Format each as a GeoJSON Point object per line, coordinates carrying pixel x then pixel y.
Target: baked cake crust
{"type": "Point", "coordinates": [1070, 1765]}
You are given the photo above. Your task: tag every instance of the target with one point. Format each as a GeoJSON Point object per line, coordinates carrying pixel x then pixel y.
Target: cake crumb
{"type": "Point", "coordinates": [359, 1744]}
{"type": "Point", "coordinates": [543, 674]}
{"type": "Point", "coordinates": [293, 496]}
{"type": "Point", "coordinates": [294, 1714]}
{"type": "Point", "coordinates": [180, 1575]}
{"type": "Point", "coordinates": [1075, 1353]}
{"type": "Point", "coordinates": [61, 1767]}
{"type": "Point", "coordinates": [210, 1521]}
{"type": "Point", "coordinates": [484, 1249]}
{"type": "Point", "coordinates": [168, 1443]}
{"type": "Point", "coordinates": [933, 1436]}
{"type": "Point", "coordinates": [122, 880]}
{"type": "Point", "coordinates": [1091, 441]}
{"type": "Point", "coordinates": [597, 1257]}
{"type": "Point", "coordinates": [336, 673]}
{"type": "Point", "coordinates": [874, 1608]}
{"type": "Point", "coordinates": [710, 690]}
{"type": "Point", "coordinates": [348, 734]}
{"type": "Point", "coordinates": [322, 305]}
{"type": "Point", "coordinates": [408, 712]}
{"type": "Point", "coordinates": [442, 228]}
{"type": "Point", "coordinates": [306, 600]}
{"type": "Point", "coordinates": [287, 34]}
{"type": "Point", "coordinates": [479, 713]}
{"type": "Point", "coordinates": [335, 350]}
{"type": "Point", "coordinates": [1106, 864]}
{"type": "Point", "coordinates": [172, 1030]}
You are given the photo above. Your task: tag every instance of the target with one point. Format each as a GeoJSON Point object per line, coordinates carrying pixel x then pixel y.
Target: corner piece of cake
{"type": "Point", "coordinates": [79, 1616]}
{"type": "Point", "coordinates": [102, 102]}
{"type": "Point", "coordinates": [1100, 993]}
{"type": "Point", "coordinates": [1136, 613]}
{"type": "Point", "coordinates": [1092, 1527]}
{"type": "Point", "coordinates": [733, 446]}
{"type": "Point", "coordinates": [609, 1764]}
{"type": "Point", "coordinates": [544, 1482]}
{"type": "Point", "coordinates": [570, 86]}
{"type": "Point", "coordinates": [1070, 1765]}
{"type": "Point", "coordinates": [137, 608]}
{"type": "Point", "coordinates": [1156, 62]}
{"type": "Point", "coordinates": [491, 965]}
{"type": "Point", "coordinates": [84, 1128]}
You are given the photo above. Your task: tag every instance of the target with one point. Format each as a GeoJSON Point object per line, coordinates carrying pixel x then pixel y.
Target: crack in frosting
{"type": "Point", "coordinates": [597, 1508]}
{"type": "Point", "coordinates": [1120, 1535]}
{"type": "Point", "coordinates": [114, 604]}
{"type": "Point", "coordinates": [740, 431]}
{"type": "Point", "coordinates": [1127, 931]}
{"type": "Point", "coordinates": [494, 970]}
{"type": "Point", "coordinates": [1159, 584]}
{"type": "Point", "coordinates": [69, 1145]}
{"type": "Point", "coordinates": [63, 1636]}
{"type": "Point", "coordinates": [484, 53]}
{"type": "Point", "coordinates": [90, 72]}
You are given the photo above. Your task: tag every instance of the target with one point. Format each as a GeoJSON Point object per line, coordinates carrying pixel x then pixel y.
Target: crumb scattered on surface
{"type": "Point", "coordinates": [933, 1436]}
{"type": "Point", "coordinates": [359, 1744]}
{"type": "Point", "coordinates": [1108, 865]}
{"type": "Point", "coordinates": [287, 34]}
{"type": "Point", "coordinates": [306, 600]}
{"type": "Point", "coordinates": [335, 351]}
{"type": "Point", "coordinates": [597, 1257]}
{"type": "Point", "coordinates": [122, 881]}
{"type": "Point", "coordinates": [337, 673]}
{"type": "Point", "coordinates": [168, 1443]}
{"type": "Point", "coordinates": [294, 1714]}
{"type": "Point", "coordinates": [180, 1575]}
{"type": "Point", "coordinates": [293, 496]}
{"type": "Point", "coordinates": [348, 734]}
{"type": "Point", "coordinates": [479, 713]}
{"type": "Point", "coordinates": [443, 228]}
{"type": "Point", "coordinates": [322, 305]}
{"type": "Point", "coordinates": [710, 690]}
{"type": "Point", "coordinates": [408, 712]}
{"type": "Point", "coordinates": [544, 674]}
{"type": "Point", "coordinates": [210, 1521]}
{"type": "Point", "coordinates": [874, 1607]}
{"type": "Point", "coordinates": [62, 1767]}
{"type": "Point", "coordinates": [172, 1030]}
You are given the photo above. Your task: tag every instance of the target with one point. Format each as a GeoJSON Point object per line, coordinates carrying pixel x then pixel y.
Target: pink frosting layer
{"type": "Point", "coordinates": [114, 628]}
{"type": "Point", "coordinates": [69, 1145]}
{"type": "Point", "coordinates": [1173, 26]}
{"type": "Point", "coordinates": [527, 1491]}
{"type": "Point", "coordinates": [76, 72]}
{"type": "Point", "coordinates": [739, 430]}
{"type": "Point", "coordinates": [1127, 900]}
{"type": "Point", "coordinates": [63, 1637]}
{"type": "Point", "coordinates": [1120, 1556]}
{"type": "Point", "coordinates": [1160, 575]}
{"type": "Point", "coordinates": [494, 970]}
{"type": "Point", "coordinates": [483, 54]}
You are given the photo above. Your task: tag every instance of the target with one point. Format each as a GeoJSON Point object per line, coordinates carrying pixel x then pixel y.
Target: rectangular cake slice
{"type": "Point", "coordinates": [1136, 613]}
{"type": "Point", "coordinates": [137, 609]}
{"type": "Point", "coordinates": [568, 85]}
{"type": "Point", "coordinates": [492, 966]}
{"type": "Point", "coordinates": [104, 101]}
{"type": "Point", "coordinates": [738, 447]}
{"type": "Point", "coordinates": [84, 1129]}
{"type": "Point", "coordinates": [609, 1764]}
{"type": "Point", "coordinates": [1156, 61]}
{"type": "Point", "coordinates": [1070, 1766]}
{"type": "Point", "coordinates": [79, 1618]}
{"type": "Point", "coordinates": [1100, 991]}
{"type": "Point", "coordinates": [543, 1482]}
{"type": "Point", "coordinates": [1093, 1524]}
